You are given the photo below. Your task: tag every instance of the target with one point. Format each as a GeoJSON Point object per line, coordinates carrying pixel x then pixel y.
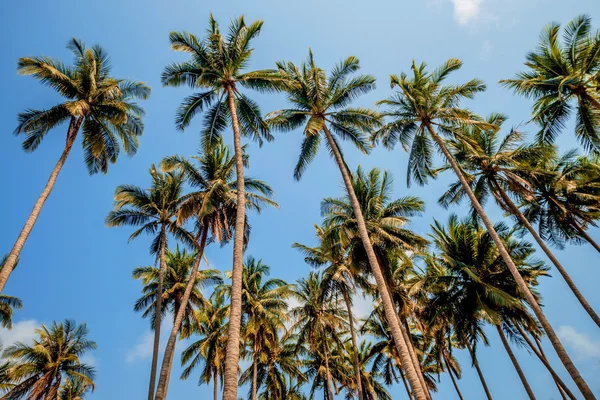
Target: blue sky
{"type": "Point", "coordinates": [74, 267]}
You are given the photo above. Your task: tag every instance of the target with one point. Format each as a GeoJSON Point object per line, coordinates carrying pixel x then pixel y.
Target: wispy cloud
{"type": "Point", "coordinates": [22, 331]}
{"type": "Point", "coordinates": [583, 345]}
{"type": "Point", "coordinates": [466, 11]}
{"type": "Point", "coordinates": [142, 350]}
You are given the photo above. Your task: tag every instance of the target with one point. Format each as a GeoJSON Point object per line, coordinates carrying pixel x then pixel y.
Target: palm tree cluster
{"type": "Point", "coordinates": [433, 295]}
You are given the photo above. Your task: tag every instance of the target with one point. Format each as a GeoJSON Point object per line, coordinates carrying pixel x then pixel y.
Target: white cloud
{"type": "Point", "coordinates": [142, 350]}
{"type": "Point", "coordinates": [22, 331]}
{"type": "Point", "coordinates": [466, 11]}
{"type": "Point", "coordinates": [486, 50]}
{"type": "Point", "coordinates": [582, 344]}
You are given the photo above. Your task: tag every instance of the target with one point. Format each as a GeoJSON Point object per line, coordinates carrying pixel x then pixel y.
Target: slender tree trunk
{"type": "Point", "coordinates": [327, 374]}
{"type": "Point", "coordinates": [404, 381]}
{"type": "Point", "coordinates": [592, 100]}
{"type": "Point", "coordinates": [413, 356]}
{"type": "Point", "coordinates": [558, 347]}
{"type": "Point", "coordinates": [562, 388]}
{"type": "Point", "coordinates": [254, 374]}
{"type": "Point", "coordinates": [479, 373]}
{"type": "Point", "coordinates": [232, 351]}
{"type": "Point", "coordinates": [583, 233]}
{"type": "Point", "coordinates": [452, 377]}
{"type": "Point", "coordinates": [216, 388]}
{"type": "Point", "coordinates": [523, 220]}
{"type": "Point", "coordinates": [359, 390]}
{"type": "Point", "coordinates": [390, 314]}
{"type": "Point", "coordinates": [515, 363]}
{"type": "Point", "coordinates": [13, 256]}
{"type": "Point", "coordinates": [161, 391]}
{"type": "Point", "coordinates": [157, 318]}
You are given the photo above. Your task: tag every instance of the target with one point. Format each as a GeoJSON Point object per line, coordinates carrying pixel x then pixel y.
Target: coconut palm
{"type": "Point", "coordinates": [320, 103]}
{"type": "Point", "coordinates": [218, 64]}
{"type": "Point", "coordinates": [374, 389]}
{"type": "Point", "coordinates": [73, 389]}
{"type": "Point", "coordinates": [213, 204]}
{"type": "Point", "coordinates": [494, 165]}
{"type": "Point", "coordinates": [565, 198]}
{"type": "Point", "coordinates": [55, 355]}
{"type": "Point", "coordinates": [319, 319]}
{"type": "Point", "coordinates": [102, 106]}
{"type": "Point", "coordinates": [152, 211]}
{"type": "Point", "coordinates": [475, 287]}
{"type": "Point", "coordinates": [7, 304]}
{"type": "Point", "coordinates": [423, 111]}
{"type": "Point", "coordinates": [209, 350]}
{"type": "Point", "coordinates": [563, 77]}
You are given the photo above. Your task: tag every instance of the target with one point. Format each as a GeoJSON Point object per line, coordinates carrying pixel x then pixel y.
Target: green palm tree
{"type": "Point", "coordinates": [8, 304]}
{"type": "Point", "coordinates": [6, 381]}
{"type": "Point", "coordinates": [218, 64]}
{"type": "Point", "coordinates": [39, 369]}
{"type": "Point", "coordinates": [563, 77]}
{"type": "Point", "coordinates": [209, 350]}
{"type": "Point", "coordinates": [153, 211]}
{"type": "Point", "coordinates": [475, 286]}
{"type": "Point", "coordinates": [213, 204]}
{"type": "Point", "coordinates": [422, 110]}
{"type": "Point", "coordinates": [371, 380]}
{"type": "Point", "coordinates": [319, 320]}
{"type": "Point", "coordinates": [102, 106]}
{"type": "Point", "coordinates": [73, 390]}
{"type": "Point", "coordinates": [494, 166]}
{"type": "Point", "coordinates": [565, 199]}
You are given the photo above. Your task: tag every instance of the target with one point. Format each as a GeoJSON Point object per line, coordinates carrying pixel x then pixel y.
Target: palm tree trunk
{"type": "Point", "coordinates": [582, 232]}
{"type": "Point", "coordinates": [327, 374]}
{"type": "Point", "coordinates": [562, 388]}
{"type": "Point", "coordinates": [515, 362]}
{"type": "Point", "coordinates": [254, 374]}
{"type": "Point", "coordinates": [13, 256]}
{"type": "Point", "coordinates": [216, 388]}
{"type": "Point", "coordinates": [404, 381]}
{"type": "Point", "coordinates": [232, 351]}
{"type": "Point", "coordinates": [388, 306]}
{"type": "Point", "coordinates": [452, 377]}
{"type": "Point", "coordinates": [157, 318]}
{"type": "Point", "coordinates": [558, 347]}
{"type": "Point", "coordinates": [479, 373]}
{"type": "Point", "coordinates": [523, 220]}
{"type": "Point", "coordinates": [163, 381]}
{"type": "Point", "coordinates": [359, 390]}
{"type": "Point", "coordinates": [592, 100]}
{"type": "Point", "coordinates": [413, 356]}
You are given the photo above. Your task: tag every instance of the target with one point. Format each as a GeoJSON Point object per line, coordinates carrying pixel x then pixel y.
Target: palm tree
{"type": "Point", "coordinates": [424, 105]}
{"type": "Point", "coordinates": [154, 211]}
{"type": "Point", "coordinates": [213, 204]}
{"type": "Point", "coordinates": [73, 389]}
{"type": "Point", "coordinates": [475, 287]}
{"type": "Point", "coordinates": [494, 166]}
{"type": "Point", "coordinates": [209, 350]}
{"type": "Point", "coordinates": [218, 64]}
{"type": "Point", "coordinates": [6, 381]}
{"type": "Point", "coordinates": [561, 77]}
{"type": "Point", "coordinates": [323, 102]}
{"type": "Point", "coordinates": [8, 304]}
{"type": "Point", "coordinates": [338, 277]}
{"type": "Point", "coordinates": [319, 319]}
{"type": "Point", "coordinates": [371, 380]}
{"type": "Point", "coordinates": [565, 198]}
{"type": "Point", "coordinates": [39, 369]}
{"type": "Point", "coordinates": [101, 105]}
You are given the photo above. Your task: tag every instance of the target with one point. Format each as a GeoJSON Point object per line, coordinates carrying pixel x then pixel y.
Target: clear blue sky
{"type": "Point", "coordinates": [74, 267]}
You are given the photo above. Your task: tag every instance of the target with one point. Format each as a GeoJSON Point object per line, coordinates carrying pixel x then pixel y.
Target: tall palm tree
{"type": "Point", "coordinates": [209, 350]}
{"type": "Point", "coordinates": [318, 321]}
{"type": "Point", "coordinates": [475, 285]}
{"type": "Point", "coordinates": [374, 389]}
{"type": "Point", "coordinates": [322, 102]}
{"type": "Point", "coordinates": [563, 77]}
{"type": "Point", "coordinates": [154, 212]}
{"type": "Point", "coordinates": [422, 110]}
{"type": "Point", "coordinates": [39, 369]}
{"type": "Point", "coordinates": [73, 389]}
{"type": "Point", "coordinates": [213, 204]}
{"type": "Point", "coordinates": [101, 105]}
{"type": "Point", "coordinates": [494, 166]}
{"type": "Point", "coordinates": [565, 199]}
{"type": "Point", "coordinates": [218, 64]}
{"type": "Point", "coordinates": [7, 304]}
